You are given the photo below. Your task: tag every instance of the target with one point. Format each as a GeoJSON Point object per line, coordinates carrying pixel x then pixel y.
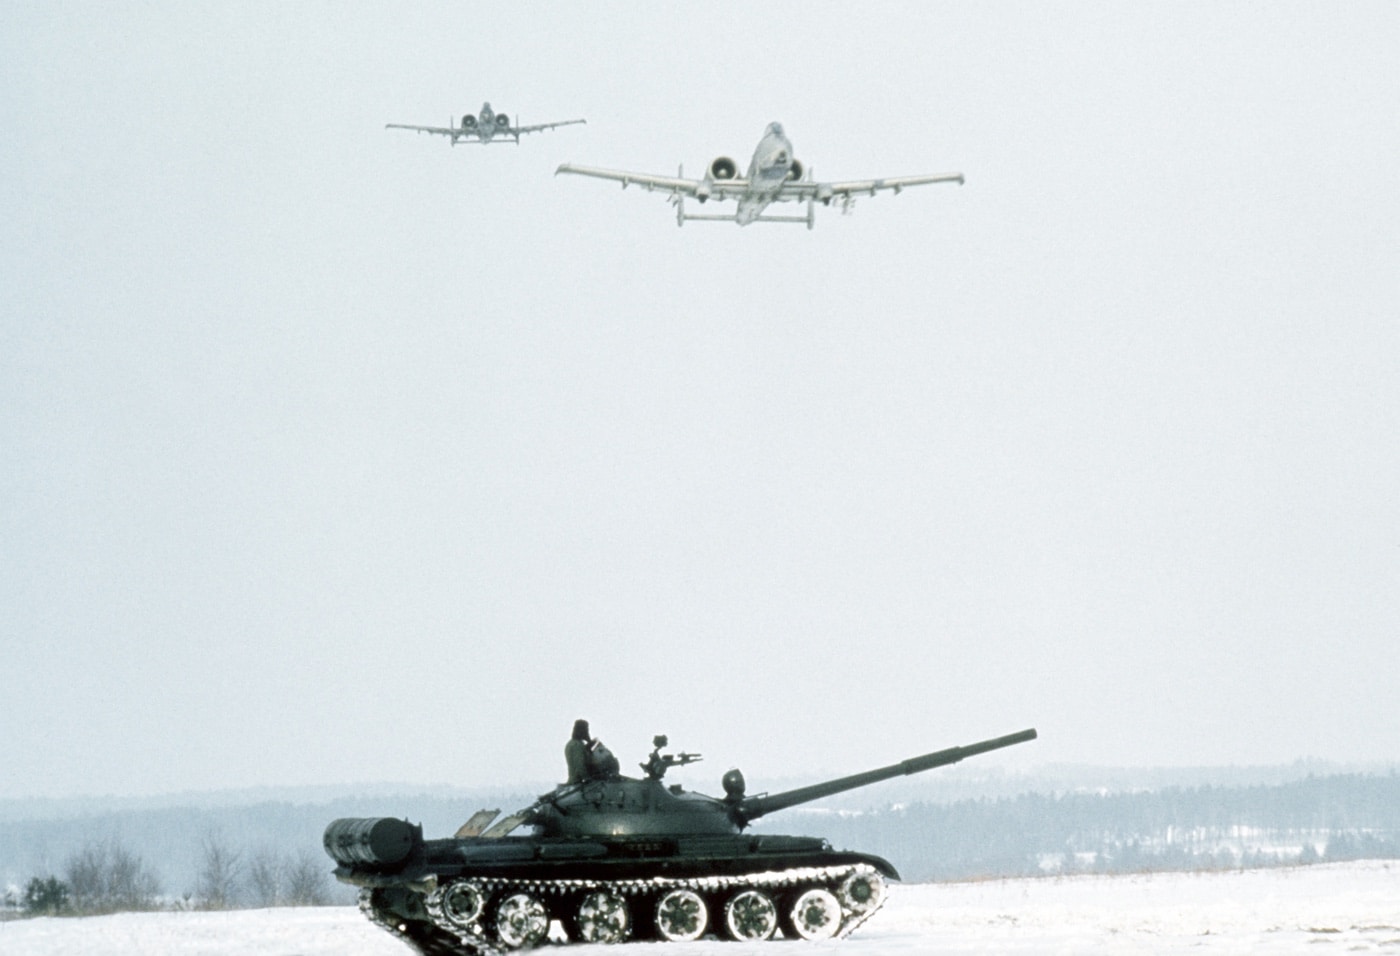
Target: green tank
{"type": "Point", "coordinates": [614, 858]}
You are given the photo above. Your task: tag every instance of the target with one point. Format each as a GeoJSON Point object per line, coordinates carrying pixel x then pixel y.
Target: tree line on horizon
{"type": "Point", "coordinates": [1316, 819]}
{"type": "Point", "coordinates": [105, 876]}
{"type": "Point", "coordinates": [276, 858]}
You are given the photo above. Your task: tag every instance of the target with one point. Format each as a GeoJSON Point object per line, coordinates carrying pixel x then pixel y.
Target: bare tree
{"type": "Point", "coordinates": [87, 878]}
{"type": "Point", "coordinates": [306, 881]}
{"type": "Point", "coordinates": [219, 874]}
{"type": "Point", "coordinates": [266, 874]}
{"type": "Point", "coordinates": [106, 877]}
{"type": "Point", "coordinates": [131, 883]}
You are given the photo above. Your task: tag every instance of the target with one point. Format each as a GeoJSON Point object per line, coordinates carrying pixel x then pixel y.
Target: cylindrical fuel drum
{"type": "Point", "coordinates": [373, 841]}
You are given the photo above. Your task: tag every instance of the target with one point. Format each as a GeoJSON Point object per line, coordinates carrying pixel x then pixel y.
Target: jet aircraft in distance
{"type": "Point", "coordinates": [775, 175]}
{"type": "Point", "coordinates": [483, 128]}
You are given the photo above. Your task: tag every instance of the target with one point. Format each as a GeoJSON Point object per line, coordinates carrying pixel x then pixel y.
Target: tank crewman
{"type": "Point", "coordinates": [576, 753]}
{"type": "Point", "coordinates": [588, 759]}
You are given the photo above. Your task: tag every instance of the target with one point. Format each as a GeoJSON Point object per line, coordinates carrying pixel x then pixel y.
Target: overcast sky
{"type": "Point", "coordinates": [332, 453]}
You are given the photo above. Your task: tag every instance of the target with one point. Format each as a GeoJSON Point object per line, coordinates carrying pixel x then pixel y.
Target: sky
{"type": "Point", "coordinates": [331, 453]}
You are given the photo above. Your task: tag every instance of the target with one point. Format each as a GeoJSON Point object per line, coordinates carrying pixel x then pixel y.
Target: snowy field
{"type": "Point", "coordinates": [1337, 908]}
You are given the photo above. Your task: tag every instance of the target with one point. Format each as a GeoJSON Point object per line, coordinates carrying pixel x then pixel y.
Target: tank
{"type": "Point", "coordinates": [614, 858]}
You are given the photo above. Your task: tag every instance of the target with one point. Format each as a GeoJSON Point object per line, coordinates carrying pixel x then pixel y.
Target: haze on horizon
{"type": "Point", "coordinates": [336, 455]}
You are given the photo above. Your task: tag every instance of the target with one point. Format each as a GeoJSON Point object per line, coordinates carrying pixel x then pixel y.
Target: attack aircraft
{"type": "Point", "coordinates": [774, 175]}
{"type": "Point", "coordinates": [483, 128]}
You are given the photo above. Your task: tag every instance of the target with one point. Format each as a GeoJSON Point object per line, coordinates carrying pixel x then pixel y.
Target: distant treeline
{"type": "Point", "coordinates": [1339, 817]}
{"type": "Point", "coordinates": [109, 877]}
{"type": "Point", "coordinates": [171, 846]}
{"type": "Point", "coordinates": [265, 853]}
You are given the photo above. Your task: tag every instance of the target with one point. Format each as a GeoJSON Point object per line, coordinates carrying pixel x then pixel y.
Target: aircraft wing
{"type": "Point", "coordinates": [536, 129]}
{"type": "Point", "coordinates": [827, 191]}
{"type": "Point", "coordinates": [439, 130]}
{"type": "Point", "coordinates": [676, 185]}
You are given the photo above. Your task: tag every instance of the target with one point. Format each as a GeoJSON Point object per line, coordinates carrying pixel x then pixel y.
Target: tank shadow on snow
{"type": "Point", "coordinates": [613, 858]}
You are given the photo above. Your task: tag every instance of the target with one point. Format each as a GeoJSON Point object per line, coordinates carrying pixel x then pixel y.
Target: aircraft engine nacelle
{"type": "Point", "coordinates": [794, 172]}
{"type": "Point", "coordinates": [502, 121]}
{"type": "Point", "coordinates": [468, 121]}
{"type": "Point", "coordinates": [723, 168]}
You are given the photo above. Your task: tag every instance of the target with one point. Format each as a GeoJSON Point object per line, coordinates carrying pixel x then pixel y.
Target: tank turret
{"type": "Point", "coordinates": [613, 857]}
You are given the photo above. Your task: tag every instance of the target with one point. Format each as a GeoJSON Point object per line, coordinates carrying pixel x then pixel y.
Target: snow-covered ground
{"type": "Point", "coordinates": [1336, 908]}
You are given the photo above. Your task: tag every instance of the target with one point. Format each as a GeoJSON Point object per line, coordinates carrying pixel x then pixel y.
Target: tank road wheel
{"type": "Point", "coordinates": [521, 921]}
{"type": "Point", "coordinates": [863, 891]}
{"type": "Point", "coordinates": [816, 915]}
{"type": "Point", "coordinates": [681, 916]}
{"type": "Point", "coordinates": [603, 918]}
{"type": "Point", "coordinates": [462, 904]}
{"type": "Point", "coordinates": [751, 915]}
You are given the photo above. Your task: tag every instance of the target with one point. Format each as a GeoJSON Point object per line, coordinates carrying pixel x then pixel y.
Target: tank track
{"type": "Point", "coordinates": [440, 936]}
{"type": "Point", "coordinates": [422, 936]}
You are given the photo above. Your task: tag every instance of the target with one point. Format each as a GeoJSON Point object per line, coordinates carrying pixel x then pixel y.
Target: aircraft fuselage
{"type": "Point", "coordinates": [485, 123]}
{"type": "Point", "coordinates": [768, 170]}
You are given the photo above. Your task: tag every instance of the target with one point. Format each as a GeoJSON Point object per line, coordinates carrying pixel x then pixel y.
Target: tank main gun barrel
{"type": "Point", "coordinates": [751, 808]}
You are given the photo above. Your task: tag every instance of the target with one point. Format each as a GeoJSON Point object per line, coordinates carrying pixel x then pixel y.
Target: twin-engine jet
{"type": "Point", "coordinates": [483, 128]}
{"type": "Point", "coordinates": [774, 175]}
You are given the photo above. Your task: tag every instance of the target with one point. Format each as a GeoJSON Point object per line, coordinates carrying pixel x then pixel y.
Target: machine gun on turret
{"type": "Point", "coordinates": [658, 763]}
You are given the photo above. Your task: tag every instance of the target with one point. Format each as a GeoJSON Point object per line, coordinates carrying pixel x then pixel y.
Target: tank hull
{"type": "Point", "coordinates": [460, 896]}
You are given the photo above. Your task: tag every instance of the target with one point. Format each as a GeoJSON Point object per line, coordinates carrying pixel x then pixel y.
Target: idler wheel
{"type": "Point", "coordinates": [463, 903]}
{"type": "Point", "coordinates": [681, 916]}
{"type": "Point", "coordinates": [603, 918]}
{"type": "Point", "coordinates": [751, 915]}
{"type": "Point", "coordinates": [862, 891]}
{"type": "Point", "coordinates": [521, 921]}
{"type": "Point", "coordinates": [816, 915]}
